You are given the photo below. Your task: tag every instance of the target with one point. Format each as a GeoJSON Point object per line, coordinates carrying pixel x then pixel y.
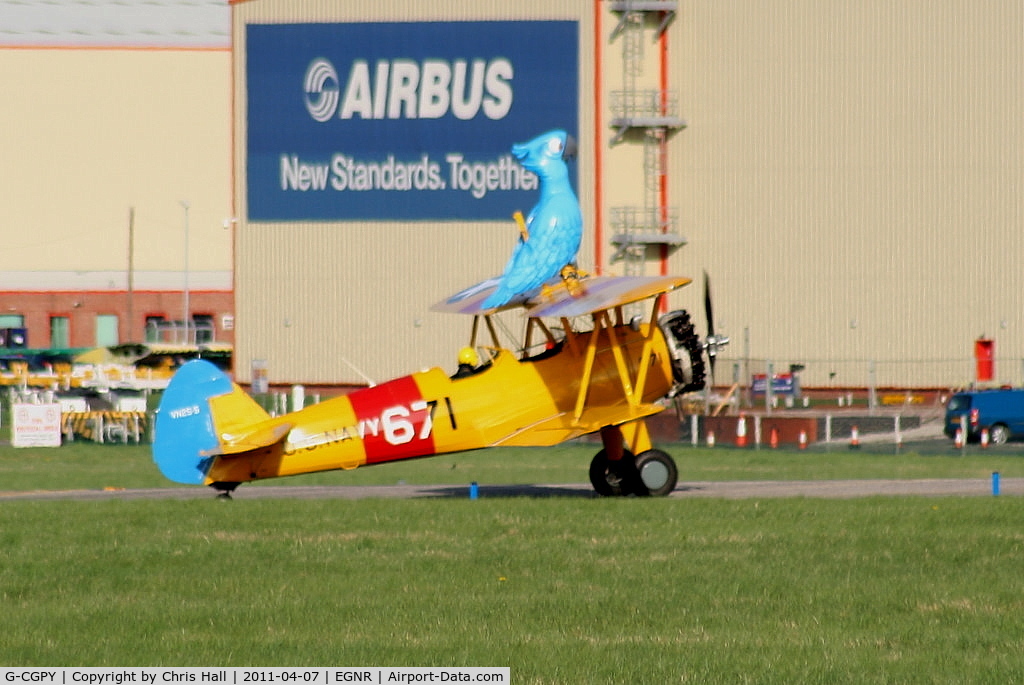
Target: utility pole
{"type": "Point", "coordinates": [186, 316]}
{"type": "Point", "coordinates": [131, 276]}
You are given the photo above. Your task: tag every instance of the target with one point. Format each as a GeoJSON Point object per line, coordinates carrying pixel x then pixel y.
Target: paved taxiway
{"type": "Point", "coordinates": [829, 489]}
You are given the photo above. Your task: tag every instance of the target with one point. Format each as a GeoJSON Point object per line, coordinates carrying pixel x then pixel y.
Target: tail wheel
{"type": "Point", "coordinates": [657, 473]}
{"type": "Point", "coordinates": [224, 489]}
{"type": "Point", "coordinates": [614, 478]}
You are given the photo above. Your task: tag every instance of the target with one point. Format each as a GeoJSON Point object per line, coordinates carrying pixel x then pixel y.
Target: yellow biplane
{"type": "Point", "coordinates": [583, 368]}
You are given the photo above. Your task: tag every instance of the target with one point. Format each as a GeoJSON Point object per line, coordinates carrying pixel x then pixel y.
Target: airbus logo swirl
{"type": "Point", "coordinates": [322, 90]}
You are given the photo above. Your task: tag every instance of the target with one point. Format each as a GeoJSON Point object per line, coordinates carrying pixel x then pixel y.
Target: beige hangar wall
{"type": "Point", "coordinates": [98, 131]}
{"type": "Point", "coordinates": [851, 178]}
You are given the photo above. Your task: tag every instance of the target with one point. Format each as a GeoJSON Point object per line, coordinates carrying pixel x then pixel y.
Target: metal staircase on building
{"type": "Point", "coordinates": [655, 112]}
{"type": "Point", "coordinates": [628, 7]}
{"type": "Point", "coordinates": [635, 229]}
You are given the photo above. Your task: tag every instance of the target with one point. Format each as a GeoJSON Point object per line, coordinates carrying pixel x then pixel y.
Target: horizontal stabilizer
{"type": "Point", "coordinates": [242, 425]}
{"type": "Point", "coordinates": [260, 436]}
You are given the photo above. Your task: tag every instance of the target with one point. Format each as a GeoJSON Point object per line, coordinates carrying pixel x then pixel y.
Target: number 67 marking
{"type": "Point", "coordinates": [399, 430]}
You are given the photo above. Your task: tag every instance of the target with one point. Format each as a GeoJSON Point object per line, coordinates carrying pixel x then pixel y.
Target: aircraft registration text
{"type": "Point", "coordinates": [185, 412]}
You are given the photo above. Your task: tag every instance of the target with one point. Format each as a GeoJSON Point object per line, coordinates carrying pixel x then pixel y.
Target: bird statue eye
{"type": "Point", "coordinates": [555, 146]}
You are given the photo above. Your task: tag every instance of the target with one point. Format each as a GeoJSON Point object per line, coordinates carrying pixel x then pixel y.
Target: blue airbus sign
{"type": "Point", "coordinates": [402, 121]}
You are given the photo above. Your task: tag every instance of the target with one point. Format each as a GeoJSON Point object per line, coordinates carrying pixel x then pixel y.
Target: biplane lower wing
{"type": "Point", "coordinates": [597, 293]}
{"type": "Point", "coordinates": [558, 429]}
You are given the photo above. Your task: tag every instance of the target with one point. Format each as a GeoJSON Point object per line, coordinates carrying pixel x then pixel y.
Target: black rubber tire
{"type": "Point", "coordinates": [657, 473]}
{"type": "Point", "coordinates": [614, 478]}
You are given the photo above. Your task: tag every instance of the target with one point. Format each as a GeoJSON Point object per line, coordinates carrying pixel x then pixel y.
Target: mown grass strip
{"type": "Point", "coordinates": [561, 590]}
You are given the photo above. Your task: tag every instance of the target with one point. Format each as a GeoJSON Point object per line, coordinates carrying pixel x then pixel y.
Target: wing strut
{"type": "Point", "coordinates": [549, 338]}
{"type": "Point", "coordinates": [473, 342]}
{"type": "Point", "coordinates": [588, 367]}
{"type": "Point", "coordinates": [646, 356]}
{"type": "Point", "coordinates": [570, 336]}
{"type": "Point", "coordinates": [632, 388]}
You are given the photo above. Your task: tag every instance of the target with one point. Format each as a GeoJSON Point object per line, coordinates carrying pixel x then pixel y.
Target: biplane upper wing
{"type": "Point", "coordinates": [470, 301]}
{"type": "Point", "coordinates": [604, 292]}
{"type": "Point", "coordinates": [598, 293]}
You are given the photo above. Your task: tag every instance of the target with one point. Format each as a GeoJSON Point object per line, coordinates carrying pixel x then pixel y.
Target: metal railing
{"type": "Point", "coordinates": [644, 104]}
{"type": "Point", "coordinates": [644, 219]}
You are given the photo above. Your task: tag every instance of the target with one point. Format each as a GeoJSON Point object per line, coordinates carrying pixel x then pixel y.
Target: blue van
{"type": "Point", "coordinates": [1000, 411]}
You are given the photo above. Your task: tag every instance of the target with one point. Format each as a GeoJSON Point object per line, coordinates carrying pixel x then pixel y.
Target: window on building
{"type": "Point", "coordinates": [60, 331]}
{"type": "Point", "coordinates": [155, 326]}
{"type": "Point", "coordinates": [203, 324]}
{"type": "Point", "coordinates": [106, 330]}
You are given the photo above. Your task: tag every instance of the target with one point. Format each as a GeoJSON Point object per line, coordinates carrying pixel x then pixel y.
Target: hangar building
{"type": "Point", "coordinates": [848, 175]}
{"type": "Point", "coordinates": [116, 172]}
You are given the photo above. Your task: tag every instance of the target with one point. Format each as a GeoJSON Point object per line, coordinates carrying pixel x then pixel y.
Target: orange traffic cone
{"type": "Point", "coordinates": [984, 437]}
{"type": "Point", "coordinates": [741, 432]}
{"type": "Point", "coordinates": [773, 438]}
{"type": "Point", "coordinates": [803, 439]}
{"type": "Point", "coordinates": [854, 438]}
{"type": "Point", "coordinates": [958, 439]}
{"type": "Point", "coordinates": [711, 438]}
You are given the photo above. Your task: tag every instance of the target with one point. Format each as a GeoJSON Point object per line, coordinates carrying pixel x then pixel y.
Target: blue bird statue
{"type": "Point", "coordinates": [550, 237]}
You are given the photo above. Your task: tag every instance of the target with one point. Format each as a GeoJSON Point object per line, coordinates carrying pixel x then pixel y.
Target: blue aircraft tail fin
{"type": "Point", "coordinates": [186, 437]}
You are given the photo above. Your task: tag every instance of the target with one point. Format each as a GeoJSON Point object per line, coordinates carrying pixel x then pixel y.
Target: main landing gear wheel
{"type": "Point", "coordinates": [650, 474]}
{"type": "Point", "coordinates": [614, 478]}
{"type": "Point", "coordinates": [657, 473]}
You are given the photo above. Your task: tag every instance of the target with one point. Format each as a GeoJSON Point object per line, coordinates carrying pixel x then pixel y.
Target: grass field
{"type": "Point", "coordinates": [562, 590]}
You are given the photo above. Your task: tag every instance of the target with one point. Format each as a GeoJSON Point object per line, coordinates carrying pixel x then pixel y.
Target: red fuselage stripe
{"type": "Point", "coordinates": [394, 420]}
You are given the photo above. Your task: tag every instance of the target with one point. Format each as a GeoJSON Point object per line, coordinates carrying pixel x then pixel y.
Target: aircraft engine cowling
{"type": "Point", "coordinates": [688, 369]}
